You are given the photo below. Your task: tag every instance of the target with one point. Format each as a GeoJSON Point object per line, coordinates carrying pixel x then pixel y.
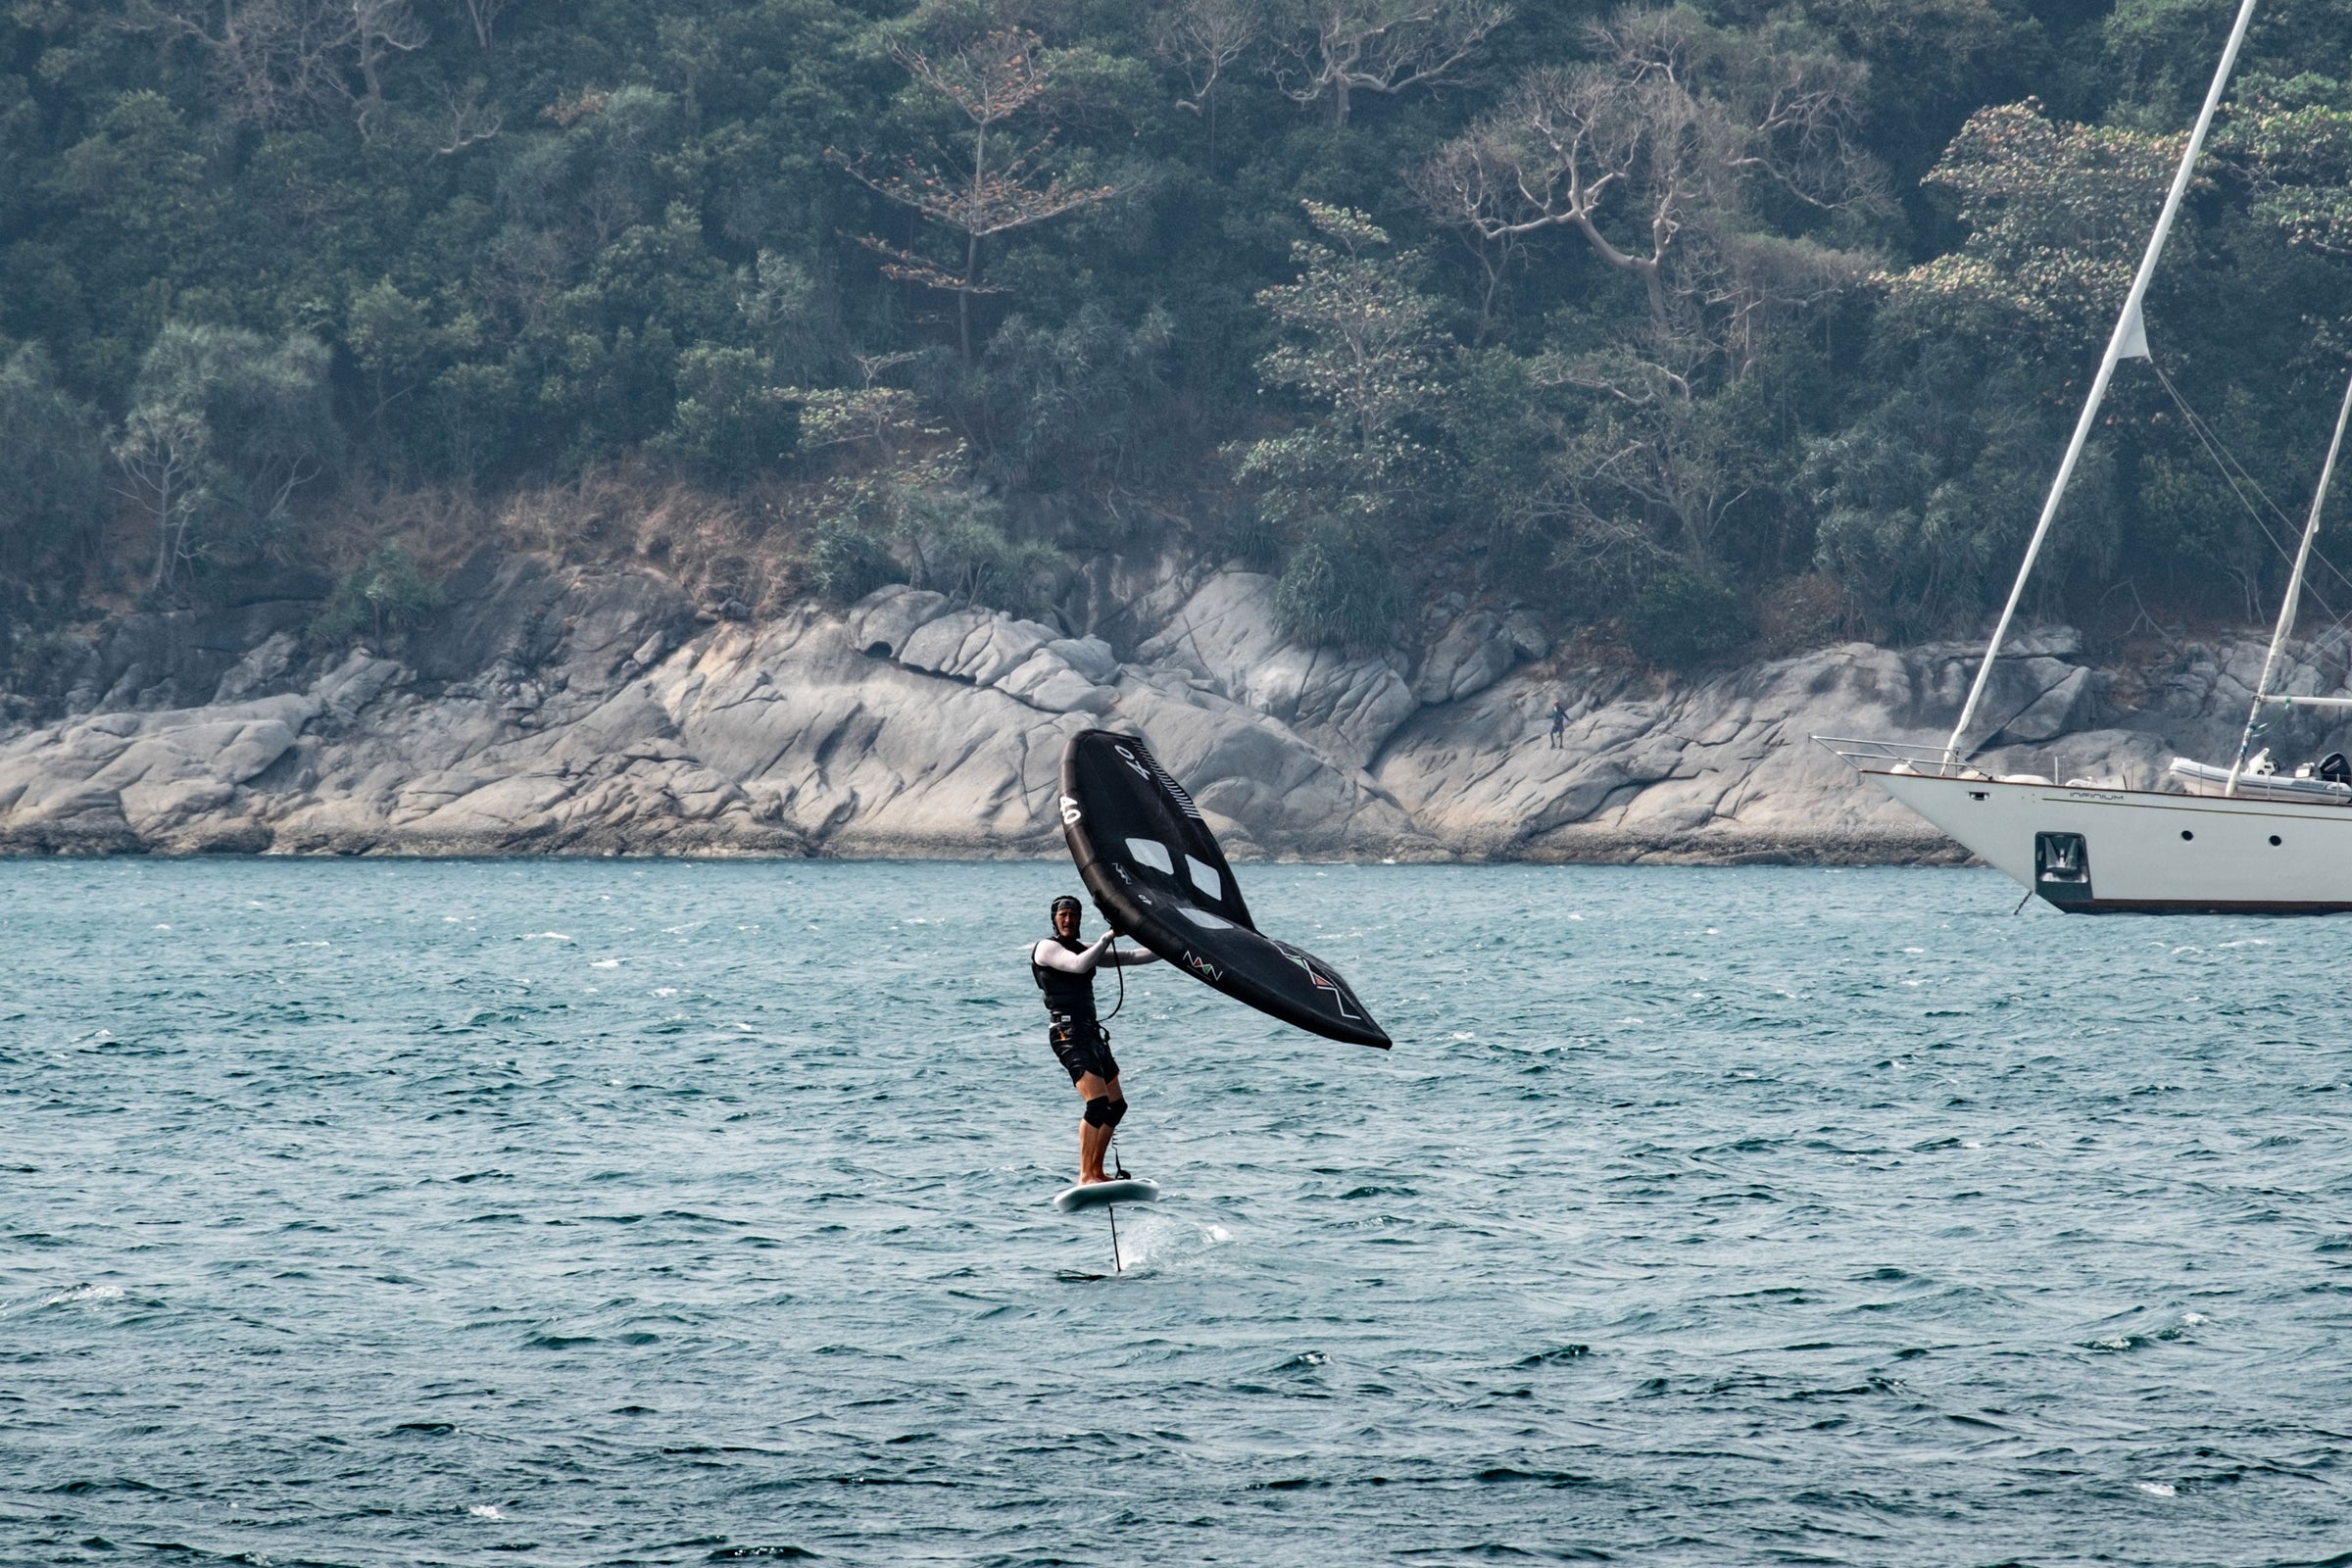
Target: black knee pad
{"type": "Point", "coordinates": [1102, 1111]}
{"type": "Point", "coordinates": [1111, 1118]}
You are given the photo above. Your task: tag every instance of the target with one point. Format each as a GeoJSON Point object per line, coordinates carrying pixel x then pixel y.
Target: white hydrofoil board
{"type": "Point", "coordinates": [1094, 1195]}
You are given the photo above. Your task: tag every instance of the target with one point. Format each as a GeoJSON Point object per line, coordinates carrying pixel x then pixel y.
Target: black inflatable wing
{"type": "Point", "coordinates": [1157, 876]}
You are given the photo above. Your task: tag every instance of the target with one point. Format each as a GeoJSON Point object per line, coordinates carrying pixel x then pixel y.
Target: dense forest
{"type": "Point", "coordinates": [1710, 328]}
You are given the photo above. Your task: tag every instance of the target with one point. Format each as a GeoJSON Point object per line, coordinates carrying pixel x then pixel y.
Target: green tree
{"type": "Point", "coordinates": [1334, 591]}
{"type": "Point", "coordinates": [166, 456]}
{"type": "Point", "coordinates": [968, 554]}
{"type": "Point", "coordinates": [1358, 350]}
{"type": "Point", "coordinates": [733, 424]}
{"type": "Point", "coordinates": [1925, 500]}
{"type": "Point", "coordinates": [283, 62]}
{"type": "Point", "coordinates": [1724, 175]}
{"type": "Point", "coordinates": [1701, 163]}
{"type": "Point", "coordinates": [2295, 140]}
{"type": "Point", "coordinates": [52, 470]}
{"type": "Point", "coordinates": [1069, 408]}
{"type": "Point", "coordinates": [847, 563]}
{"type": "Point", "coordinates": [224, 428]}
{"type": "Point", "coordinates": [400, 350]}
{"type": "Point", "coordinates": [1932, 62]}
{"type": "Point", "coordinates": [1688, 615]}
{"type": "Point", "coordinates": [2057, 218]}
{"type": "Point", "coordinates": [1927, 497]}
{"type": "Point", "coordinates": [139, 222]}
{"type": "Point", "coordinates": [1690, 305]}
{"type": "Point", "coordinates": [385, 593]}
{"type": "Point", "coordinates": [1204, 40]}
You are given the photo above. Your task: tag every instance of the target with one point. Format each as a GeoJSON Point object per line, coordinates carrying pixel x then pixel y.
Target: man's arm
{"type": "Point", "coordinates": [1054, 955]}
{"type": "Point", "coordinates": [1129, 957]}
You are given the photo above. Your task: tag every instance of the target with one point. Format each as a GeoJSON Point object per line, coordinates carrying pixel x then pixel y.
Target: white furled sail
{"type": "Point", "coordinates": [2135, 335]}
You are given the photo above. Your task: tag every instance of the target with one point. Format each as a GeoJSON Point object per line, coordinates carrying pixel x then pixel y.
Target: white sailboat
{"type": "Point", "coordinates": [2241, 839]}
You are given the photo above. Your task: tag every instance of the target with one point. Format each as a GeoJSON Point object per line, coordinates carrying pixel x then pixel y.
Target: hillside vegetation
{"type": "Point", "coordinates": [1711, 326]}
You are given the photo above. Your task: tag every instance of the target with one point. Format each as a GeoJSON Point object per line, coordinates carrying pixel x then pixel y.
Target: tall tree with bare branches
{"type": "Point", "coordinates": [1203, 38]}
{"type": "Point", "coordinates": [1664, 157]}
{"type": "Point", "coordinates": [1692, 161]}
{"type": "Point", "coordinates": [1334, 49]}
{"type": "Point", "coordinates": [484, 14]}
{"type": "Point", "coordinates": [280, 61]}
{"type": "Point", "coordinates": [1001, 186]}
{"type": "Point", "coordinates": [379, 29]}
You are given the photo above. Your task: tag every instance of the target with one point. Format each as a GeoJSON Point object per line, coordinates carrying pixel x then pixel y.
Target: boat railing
{"type": "Point", "coordinates": [1900, 756]}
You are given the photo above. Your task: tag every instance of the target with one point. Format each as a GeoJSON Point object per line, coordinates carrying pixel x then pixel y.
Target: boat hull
{"type": "Point", "coordinates": [2135, 851]}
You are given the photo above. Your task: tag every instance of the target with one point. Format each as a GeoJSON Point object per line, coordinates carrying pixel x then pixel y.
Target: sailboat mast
{"type": "Point", "coordinates": [2129, 338]}
{"type": "Point", "coordinates": [2295, 590]}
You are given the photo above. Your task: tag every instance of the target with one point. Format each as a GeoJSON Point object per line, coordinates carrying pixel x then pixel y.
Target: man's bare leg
{"type": "Point", "coordinates": [1120, 1099]}
{"type": "Point", "coordinates": [1094, 1142]}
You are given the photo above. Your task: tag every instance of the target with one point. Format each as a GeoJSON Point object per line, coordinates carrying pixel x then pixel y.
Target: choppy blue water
{"type": "Point", "coordinates": [544, 1212]}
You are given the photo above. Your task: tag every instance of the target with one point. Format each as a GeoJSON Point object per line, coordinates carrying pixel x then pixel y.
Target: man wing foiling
{"type": "Point", "coordinates": [1064, 968]}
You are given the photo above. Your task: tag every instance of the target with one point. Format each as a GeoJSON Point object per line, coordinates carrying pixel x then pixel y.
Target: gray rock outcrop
{"type": "Point", "coordinates": [1475, 652]}
{"type": "Point", "coordinates": [567, 709]}
{"type": "Point", "coordinates": [1228, 635]}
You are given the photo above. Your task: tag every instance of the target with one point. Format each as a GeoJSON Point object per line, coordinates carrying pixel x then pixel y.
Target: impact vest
{"type": "Point", "coordinates": [1070, 993]}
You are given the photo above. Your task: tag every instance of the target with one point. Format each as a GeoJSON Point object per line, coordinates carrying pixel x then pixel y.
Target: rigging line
{"type": "Point", "coordinates": [2224, 452]}
{"type": "Point", "coordinates": [2226, 461]}
{"type": "Point", "coordinates": [2335, 625]}
{"type": "Point", "coordinates": [2214, 445]}
{"type": "Point", "coordinates": [2211, 441]}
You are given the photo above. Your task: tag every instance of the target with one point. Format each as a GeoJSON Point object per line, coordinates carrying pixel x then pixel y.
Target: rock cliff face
{"type": "Point", "coordinates": [552, 709]}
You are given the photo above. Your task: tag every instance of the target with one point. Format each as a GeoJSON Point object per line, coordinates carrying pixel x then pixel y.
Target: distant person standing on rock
{"type": "Point", "coordinates": [1559, 723]}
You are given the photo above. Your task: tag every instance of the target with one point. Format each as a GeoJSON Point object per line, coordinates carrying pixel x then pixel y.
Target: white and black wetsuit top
{"type": "Point", "coordinates": [1064, 970]}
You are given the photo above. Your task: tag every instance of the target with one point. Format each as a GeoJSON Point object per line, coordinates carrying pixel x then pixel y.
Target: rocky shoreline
{"type": "Point", "coordinates": [564, 710]}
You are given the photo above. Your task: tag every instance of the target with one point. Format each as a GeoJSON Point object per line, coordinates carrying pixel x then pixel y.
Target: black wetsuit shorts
{"type": "Point", "coordinates": [1083, 1047]}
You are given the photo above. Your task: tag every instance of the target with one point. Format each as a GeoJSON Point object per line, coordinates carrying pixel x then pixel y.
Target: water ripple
{"type": "Point", "coordinates": [573, 1213]}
